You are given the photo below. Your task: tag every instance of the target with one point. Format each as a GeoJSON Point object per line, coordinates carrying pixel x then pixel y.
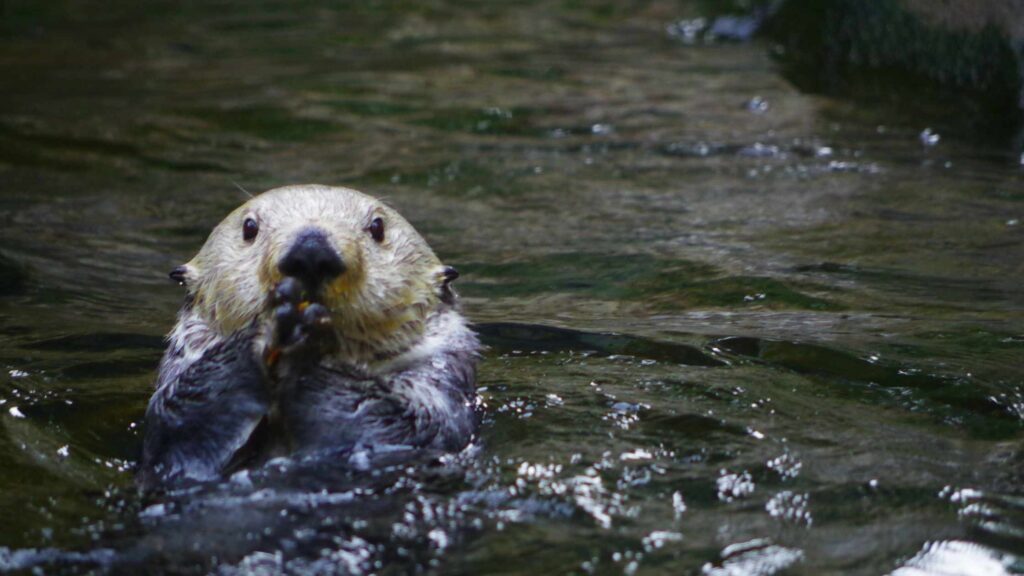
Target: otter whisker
{"type": "Point", "coordinates": [244, 191]}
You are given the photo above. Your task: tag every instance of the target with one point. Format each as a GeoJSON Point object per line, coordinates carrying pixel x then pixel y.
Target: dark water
{"type": "Point", "coordinates": [734, 328]}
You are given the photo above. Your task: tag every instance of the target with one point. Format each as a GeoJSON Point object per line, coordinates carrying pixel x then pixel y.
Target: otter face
{"type": "Point", "coordinates": [352, 253]}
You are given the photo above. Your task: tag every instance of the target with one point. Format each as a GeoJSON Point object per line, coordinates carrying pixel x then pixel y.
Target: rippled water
{"type": "Point", "coordinates": [734, 328]}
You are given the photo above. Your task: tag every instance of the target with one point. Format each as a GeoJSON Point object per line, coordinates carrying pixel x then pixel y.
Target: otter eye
{"type": "Point", "coordinates": [249, 229]}
{"type": "Point", "coordinates": [376, 229]}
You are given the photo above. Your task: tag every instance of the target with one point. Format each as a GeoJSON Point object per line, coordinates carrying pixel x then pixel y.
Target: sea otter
{"type": "Point", "coordinates": [317, 322]}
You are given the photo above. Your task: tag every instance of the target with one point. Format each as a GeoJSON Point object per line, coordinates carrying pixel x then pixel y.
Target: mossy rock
{"type": "Point", "coordinates": [904, 49]}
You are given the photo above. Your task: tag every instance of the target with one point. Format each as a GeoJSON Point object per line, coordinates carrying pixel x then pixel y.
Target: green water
{"type": "Point", "coordinates": [722, 341]}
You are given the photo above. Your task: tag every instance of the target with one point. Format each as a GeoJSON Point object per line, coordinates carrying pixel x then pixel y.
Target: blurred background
{"type": "Point", "coordinates": [750, 274]}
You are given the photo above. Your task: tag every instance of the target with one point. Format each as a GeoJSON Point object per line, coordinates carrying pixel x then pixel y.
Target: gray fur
{"type": "Point", "coordinates": [207, 406]}
{"type": "Point", "coordinates": [377, 357]}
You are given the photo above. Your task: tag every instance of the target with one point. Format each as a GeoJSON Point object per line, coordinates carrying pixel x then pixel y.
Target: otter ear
{"type": "Point", "coordinates": [183, 275]}
{"type": "Point", "coordinates": [447, 292]}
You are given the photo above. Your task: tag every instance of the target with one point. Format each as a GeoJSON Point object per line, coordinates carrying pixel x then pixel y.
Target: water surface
{"type": "Point", "coordinates": [734, 328]}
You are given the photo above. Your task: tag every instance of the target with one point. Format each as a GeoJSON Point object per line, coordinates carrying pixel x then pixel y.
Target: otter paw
{"type": "Point", "coordinates": [300, 327]}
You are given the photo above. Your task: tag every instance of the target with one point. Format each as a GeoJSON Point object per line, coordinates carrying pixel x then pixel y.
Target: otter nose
{"type": "Point", "coordinates": [312, 260]}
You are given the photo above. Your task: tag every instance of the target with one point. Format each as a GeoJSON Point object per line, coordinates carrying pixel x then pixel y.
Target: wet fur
{"type": "Point", "coordinates": [402, 376]}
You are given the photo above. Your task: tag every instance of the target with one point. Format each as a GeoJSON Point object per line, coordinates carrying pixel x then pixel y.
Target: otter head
{"type": "Point", "coordinates": [351, 253]}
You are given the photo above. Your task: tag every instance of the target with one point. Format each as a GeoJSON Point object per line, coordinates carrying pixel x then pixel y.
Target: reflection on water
{"type": "Point", "coordinates": [733, 328]}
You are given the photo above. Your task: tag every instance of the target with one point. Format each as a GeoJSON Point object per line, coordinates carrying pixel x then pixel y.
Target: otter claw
{"type": "Point", "coordinates": [316, 316]}
{"type": "Point", "coordinates": [286, 320]}
{"type": "Point", "coordinates": [288, 290]}
{"type": "Point", "coordinates": [300, 326]}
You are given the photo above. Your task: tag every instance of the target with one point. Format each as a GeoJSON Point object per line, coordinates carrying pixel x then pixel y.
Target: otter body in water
{"type": "Point", "coordinates": [317, 322]}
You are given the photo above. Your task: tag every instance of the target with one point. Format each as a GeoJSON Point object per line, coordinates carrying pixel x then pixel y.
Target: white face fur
{"type": "Point", "coordinates": [378, 304]}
